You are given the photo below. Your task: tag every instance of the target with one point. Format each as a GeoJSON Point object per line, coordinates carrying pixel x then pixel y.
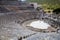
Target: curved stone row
{"type": "Point", "coordinates": [44, 36]}
{"type": "Point", "coordinates": [22, 17]}
{"type": "Point", "coordinates": [10, 27]}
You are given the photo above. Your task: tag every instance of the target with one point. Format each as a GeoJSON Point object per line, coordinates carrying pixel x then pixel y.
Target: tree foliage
{"type": "Point", "coordinates": [52, 4]}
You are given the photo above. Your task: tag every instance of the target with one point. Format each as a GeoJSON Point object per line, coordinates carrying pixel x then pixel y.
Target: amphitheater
{"type": "Point", "coordinates": [15, 24]}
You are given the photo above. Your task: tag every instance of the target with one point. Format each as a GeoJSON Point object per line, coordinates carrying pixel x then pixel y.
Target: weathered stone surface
{"type": "Point", "coordinates": [44, 36]}
{"type": "Point", "coordinates": [11, 28]}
